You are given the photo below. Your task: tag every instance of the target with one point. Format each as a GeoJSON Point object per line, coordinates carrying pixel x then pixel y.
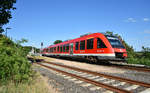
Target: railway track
{"type": "Point", "coordinates": [141, 69]}
{"type": "Point", "coordinates": [121, 66]}
{"type": "Point", "coordinates": [124, 66]}
{"type": "Point", "coordinates": [110, 83]}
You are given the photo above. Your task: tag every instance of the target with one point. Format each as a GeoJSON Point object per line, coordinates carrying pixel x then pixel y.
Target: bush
{"type": "Point", "coordinates": [143, 61]}
{"type": "Point", "coordinates": [142, 57]}
{"type": "Point", "coordinates": [13, 62]}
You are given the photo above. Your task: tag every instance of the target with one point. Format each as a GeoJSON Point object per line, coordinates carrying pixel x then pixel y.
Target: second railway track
{"type": "Point", "coordinates": [123, 86]}
{"type": "Point", "coordinates": [118, 65]}
{"type": "Point", "coordinates": [141, 69]}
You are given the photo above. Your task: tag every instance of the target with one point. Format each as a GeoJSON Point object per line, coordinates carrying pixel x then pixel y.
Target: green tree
{"type": "Point", "coordinates": [1, 30]}
{"type": "Point", "coordinates": [57, 41]}
{"type": "Point", "coordinates": [5, 12]}
{"type": "Point", "coordinates": [27, 49]}
{"type": "Point", "coordinates": [109, 32]}
{"type": "Point", "coordinates": [146, 52]}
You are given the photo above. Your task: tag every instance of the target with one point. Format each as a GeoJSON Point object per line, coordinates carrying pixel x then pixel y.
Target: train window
{"type": "Point", "coordinates": [54, 49]}
{"type": "Point", "coordinates": [63, 48]}
{"type": "Point", "coordinates": [77, 45]}
{"type": "Point", "coordinates": [51, 49]}
{"type": "Point", "coordinates": [100, 43]}
{"type": "Point", "coordinates": [67, 48]}
{"type": "Point", "coordinates": [90, 43]}
{"type": "Point", "coordinates": [46, 50]}
{"type": "Point", "coordinates": [58, 49]}
{"type": "Point", "coordinates": [82, 45]}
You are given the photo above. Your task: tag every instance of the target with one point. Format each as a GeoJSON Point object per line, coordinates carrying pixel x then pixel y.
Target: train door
{"type": "Point", "coordinates": [71, 48]}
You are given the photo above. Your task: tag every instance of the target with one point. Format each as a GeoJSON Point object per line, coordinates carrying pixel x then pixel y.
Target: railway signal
{"type": "Point", "coordinates": [41, 47]}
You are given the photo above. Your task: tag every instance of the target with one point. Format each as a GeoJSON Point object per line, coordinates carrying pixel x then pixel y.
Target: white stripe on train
{"type": "Point", "coordinates": [110, 55]}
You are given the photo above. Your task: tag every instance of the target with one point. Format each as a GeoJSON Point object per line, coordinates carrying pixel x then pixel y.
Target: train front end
{"type": "Point", "coordinates": [118, 47]}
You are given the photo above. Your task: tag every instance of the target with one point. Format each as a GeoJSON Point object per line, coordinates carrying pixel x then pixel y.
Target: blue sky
{"type": "Point", "coordinates": [49, 20]}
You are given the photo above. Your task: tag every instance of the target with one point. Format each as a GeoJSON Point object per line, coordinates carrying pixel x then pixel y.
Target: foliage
{"type": "Point", "coordinates": [57, 41]}
{"type": "Point", "coordinates": [19, 42]}
{"type": "Point", "coordinates": [29, 48]}
{"type": "Point", "coordinates": [146, 52]}
{"type": "Point", "coordinates": [109, 32]}
{"type": "Point", "coordinates": [1, 30]}
{"type": "Point", "coordinates": [143, 61]}
{"type": "Point", "coordinates": [5, 12]}
{"type": "Point", "coordinates": [142, 57]}
{"type": "Point", "coordinates": [13, 62]}
{"type": "Point", "coordinates": [130, 51]}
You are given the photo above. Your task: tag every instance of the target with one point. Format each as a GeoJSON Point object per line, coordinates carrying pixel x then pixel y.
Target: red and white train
{"type": "Point", "coordinates": [94, 47]}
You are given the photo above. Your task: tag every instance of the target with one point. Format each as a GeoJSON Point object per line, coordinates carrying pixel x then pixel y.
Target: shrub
{"type": "Point", "coordinates": [142, 60]}
{"type": "Point", "coordinates": [13, 62]}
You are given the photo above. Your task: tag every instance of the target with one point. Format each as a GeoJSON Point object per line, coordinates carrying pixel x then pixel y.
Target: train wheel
{"type": "Point", "coordinates": [92, 59]}
{"type": "Point", "coordinates": [87, 58]}
{"type": "Point", "coordinates": [95, 60]}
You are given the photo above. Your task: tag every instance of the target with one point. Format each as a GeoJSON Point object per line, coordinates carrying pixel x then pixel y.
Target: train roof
{"type": "Point", "coordinates": [81, 37]}
{"type": "Point", "coordinates": [67, 41]}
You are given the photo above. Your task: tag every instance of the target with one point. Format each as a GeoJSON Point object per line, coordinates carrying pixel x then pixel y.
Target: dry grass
{"type": "Point", "coordinates": [37, 86]}
{"type": "Point", "coordinates": [45, 58]}
{"type": "Point", "coordinates": [42, 57]}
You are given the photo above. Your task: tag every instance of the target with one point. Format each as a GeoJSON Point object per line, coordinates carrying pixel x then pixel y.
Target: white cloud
{"type": "Point", "coordinates": [131, 20]}
{"type": "Point", "coordinates": [146, 19]}
{"type": "Point", "coordinates": [147, 31]}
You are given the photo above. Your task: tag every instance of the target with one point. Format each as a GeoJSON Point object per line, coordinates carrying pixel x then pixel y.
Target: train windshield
{"type": "Point", "coordinates": [115, 42]}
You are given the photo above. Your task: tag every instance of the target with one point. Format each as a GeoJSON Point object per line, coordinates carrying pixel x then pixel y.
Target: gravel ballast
{"type": "Point", "coordinates": [66, 86]}
{"type": "Point", "coordinates": [125, 73]}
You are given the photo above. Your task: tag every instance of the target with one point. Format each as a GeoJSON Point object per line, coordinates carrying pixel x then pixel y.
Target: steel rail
{"type": "Point", "coordinates": [132, 68]}
{"type": "Point", "coordinates": [121, 66]}
{"type": "Point", "coordinates": [112, 88]}
{"type": "Point", "coordinates": [104, 75]}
